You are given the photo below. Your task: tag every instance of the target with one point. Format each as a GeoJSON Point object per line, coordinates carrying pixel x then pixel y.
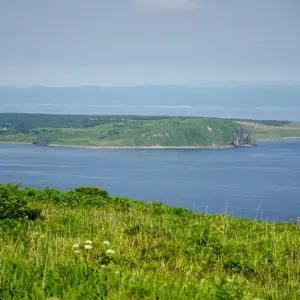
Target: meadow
{"type": "Point", "coordinates": [86, 244]}
{"type": "Point", "coordinates": [272, 130]}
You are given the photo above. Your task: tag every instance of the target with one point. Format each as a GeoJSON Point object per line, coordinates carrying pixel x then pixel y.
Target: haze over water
{"type": "Point", "coordinates": [259, 182]}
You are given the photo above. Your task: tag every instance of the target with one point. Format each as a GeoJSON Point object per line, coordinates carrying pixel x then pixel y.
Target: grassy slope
{"type": "Point", "coordinates": [149, 133]}
{"type": "Point", "coordinates": [160, 253]}
{"type": "Point", "coordinates": [119, 132]}
{"type": "Point", "coordinates": [264, 131]}
{"type": "Point", "coordinates": [134, 130]}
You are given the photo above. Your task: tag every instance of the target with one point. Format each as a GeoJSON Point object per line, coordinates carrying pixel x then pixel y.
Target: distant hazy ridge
{"type": "Point", "coordinates": [241, 101]}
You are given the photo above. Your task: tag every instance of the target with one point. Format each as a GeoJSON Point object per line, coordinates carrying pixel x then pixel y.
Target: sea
{"type": "Point", "coordinates": [261, 183]}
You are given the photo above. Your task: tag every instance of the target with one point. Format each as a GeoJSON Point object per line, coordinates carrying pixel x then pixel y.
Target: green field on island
{"type": "Point", "coordinates": [272, 130]}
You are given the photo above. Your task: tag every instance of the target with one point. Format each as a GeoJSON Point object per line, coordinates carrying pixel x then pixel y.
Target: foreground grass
{"type": "Point", "coordinates": [140, 251]}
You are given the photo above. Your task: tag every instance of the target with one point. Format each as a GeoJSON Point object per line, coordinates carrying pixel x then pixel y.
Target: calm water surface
{"type": "Point", "coordinates": [259, 182]}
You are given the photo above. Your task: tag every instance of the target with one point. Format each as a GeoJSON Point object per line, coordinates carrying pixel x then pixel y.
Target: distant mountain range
{"type": "Point", "coordinates": [249, 101]}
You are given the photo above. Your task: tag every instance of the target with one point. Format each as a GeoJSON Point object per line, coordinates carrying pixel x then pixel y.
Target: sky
{"type": "Point", "coordinates": [133, 42]}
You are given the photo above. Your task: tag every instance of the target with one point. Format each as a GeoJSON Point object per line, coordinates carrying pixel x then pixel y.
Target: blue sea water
{"type": "Point", "coordinates": [258, 182]}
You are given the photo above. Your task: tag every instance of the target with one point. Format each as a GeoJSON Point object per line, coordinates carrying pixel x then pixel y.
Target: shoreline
{"type": "Point", "coordinates": [156, 147]}
{"type": "Point", "coordinates": [142, 147]}
{"type": "Point", "coordinates": [279, 139]}
{"type": "Point", "coordinates": [128, 147]}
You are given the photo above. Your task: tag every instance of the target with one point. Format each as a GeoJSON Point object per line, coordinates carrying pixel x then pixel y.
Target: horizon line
{"type": "Point", "coordinates": [154, 85]}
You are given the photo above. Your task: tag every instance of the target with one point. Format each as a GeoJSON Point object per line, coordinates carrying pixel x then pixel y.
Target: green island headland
{"type": "Point", "coordinates": [139, 131]}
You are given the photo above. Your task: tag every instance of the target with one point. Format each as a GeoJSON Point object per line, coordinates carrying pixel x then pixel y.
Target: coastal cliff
{"type": "Point", "coordinates": [243, 137]}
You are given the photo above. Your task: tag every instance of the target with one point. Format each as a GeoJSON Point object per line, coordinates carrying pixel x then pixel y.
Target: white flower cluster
{"type": "Point", "coordinates": [88, 245]}
{"type": "Point", "coordinates": [108, 251]}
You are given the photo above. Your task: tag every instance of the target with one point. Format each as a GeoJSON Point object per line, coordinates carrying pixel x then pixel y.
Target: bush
{"type": "Point", "coordinates": [82, 197]}
{"type": "Point", "coordinates": [14, 206]}
{"type": "Point", "coordinates": [92, 191]}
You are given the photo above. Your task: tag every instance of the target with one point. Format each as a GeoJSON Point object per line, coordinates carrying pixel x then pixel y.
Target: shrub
{"type": "Point", "coordinates": [14, 206]}
{"type": "Point", "coordinates": [180, 211]}
{"type": "Point", "coordinates": [92, 191]}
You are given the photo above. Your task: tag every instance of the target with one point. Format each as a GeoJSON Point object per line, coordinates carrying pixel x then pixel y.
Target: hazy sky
{"type": "Point", "coordinates": [121, 42]}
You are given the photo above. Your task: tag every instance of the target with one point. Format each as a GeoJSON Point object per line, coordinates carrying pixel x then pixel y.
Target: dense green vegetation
{"type": "Point", "coordinates": [24, 123]}
{"type": "Point", "coordinates": [121, 131]}
{"type": "Point", "coordinates": [85, 244]}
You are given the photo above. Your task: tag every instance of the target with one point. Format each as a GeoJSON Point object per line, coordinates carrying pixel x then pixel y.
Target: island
{"type": "Point", "coordinates": [149, 132]}
{"type": "Point", "coordinates": [123, 131]}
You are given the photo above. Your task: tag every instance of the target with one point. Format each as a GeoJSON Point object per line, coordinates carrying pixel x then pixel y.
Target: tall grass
{"type": "Point", "coordinates": [158, 252]}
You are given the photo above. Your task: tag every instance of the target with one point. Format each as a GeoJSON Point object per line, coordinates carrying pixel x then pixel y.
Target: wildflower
{"type": "Point", "coordinates": [76, 245]}
{"type": "Point", "coordinates": [106, 243]}
{"type": "Point", "coordinates": [76, 251]}
{"type": "Point", "coordinates": [87, 247]}
{"type": "Point", "coordinates": [110, 251]}
{"type": "Point", "coordinates": [88, 242]}
{"type": "Point", "coordinates": [103, 266]}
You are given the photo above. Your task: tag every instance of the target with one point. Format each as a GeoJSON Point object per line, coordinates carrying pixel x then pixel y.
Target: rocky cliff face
{"type": "Point", "coordinates": [243, 137]}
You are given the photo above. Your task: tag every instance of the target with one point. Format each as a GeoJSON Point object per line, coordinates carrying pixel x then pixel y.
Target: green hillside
{"type": "Point", "coordinates": [121, 131]}
{"type": "Point", "coordinates": [85, 244]}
